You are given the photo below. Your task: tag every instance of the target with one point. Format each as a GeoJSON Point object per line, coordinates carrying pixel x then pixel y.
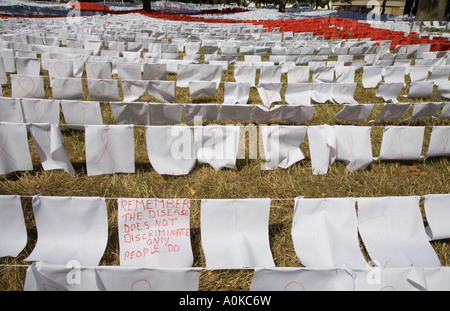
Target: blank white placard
{"type": "Point", "coordinates": [235, 233]}
{"type": "Point", "coordinates": [393, 232]}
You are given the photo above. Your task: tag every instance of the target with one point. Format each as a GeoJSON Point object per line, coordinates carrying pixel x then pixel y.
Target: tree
{"type": "Point", "coordinates": [282, 6]}
{"type": "Point", "coordinates": [431, 10]}
{"type": "Point", "coordinates": [147, 5]}
{"type": "Point", "coordinates": [411, 7]}
{"type": "Point", "coordinates": [383, 7]}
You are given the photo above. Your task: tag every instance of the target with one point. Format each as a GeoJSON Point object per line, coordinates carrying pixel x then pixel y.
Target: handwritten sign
{"type": "Point", "coordinates": [154, 232]}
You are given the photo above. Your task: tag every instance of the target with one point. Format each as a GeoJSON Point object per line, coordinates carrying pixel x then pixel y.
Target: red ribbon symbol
{"type": "Point", "coordinates": [155, 72]}
{"type": "Point", "coordinates": [401, 144]}
{"type": "Point", "coordinates": [60, 65]}
{"type": "Point", "coordinates": [297, 285]}
{"type": "Point", "coordinates": [98, 68]}
{"type": "Point", "coordinates": [351, 156]}
{"type": "Point", "coordinates": [271, 88]}
{"type": "Point", "coordinates": [343, 92]}
{"type": "Point", "coordinates": [38, 119]}
{"type": "Point", "coordinates": [141, 285]}
{"type": "Point", "coordinates": [445, 142]}
{"type": "Point", "coordinates": [296, 74]}
{"type": "Point", "coordinates": [103, 87]}
{"type": "Point", "coordinates": [26, 87]}
{"type": "Point", "coordinates": [248, 74]}
{"type": "Point", "coordinates": [105, 141]}
{"type": "Point", "coordinates": [83, 111]}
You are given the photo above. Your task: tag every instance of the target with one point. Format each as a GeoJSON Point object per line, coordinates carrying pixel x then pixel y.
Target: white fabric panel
{"type": "Point", "coordinates": [437, 211]}
{"type": "Point", "coordinates": [371, 76]}
{"type": "Point", "coordinates": [322, 147]}
{"type": "Point", "coordinates": [14, 152]}
{"type": "Point", "coordinates": [171, 149]}
{"type": "Point", "coordinates": [133, 89]}
{"type": "Point", "coordinates": [201, 112]}
{"type": "Point", "coordinates": [103, 89]}
{"type": "Point", "coordinates": [402, 143]}
{"type": "Point", "coordinates": [166, 241]}
{"type": "Point", "coordinates": [3, 76]}
{"type": "Point", "coordinates": [354, 146]}
{"type": "Point", "coordinates": [269, 93]}
{"type": "Point", "coordinates": [321, 92]}
{"type": "Point", "coordinates": [355, 112]}
{"type": "Point", "coordinates": [439, 142]}
{"type": "Point", "coordinates": [78, 113]}
{"type": "Point", "coordinates": [298, 94]}
{"type": "Point", "coordinates": [165, 113]}
{"type": "Point", "coordinates": [443, 90]}
{"type": "Point", "coordinates": [421, 89]}
{"type": "Point", "coordinates": [297, 114]}
{"type": "Point", "coordinates": [235, 92]}
{"type": "Point", "coordinates": [323, 75]}
{"type": "Point", "coordinates": [419, 73]}
{"type": "Point", "coordinates": [155, 71]}
{"type": "Point", "coordinates": [270, 74]}
{"type": "Point", "coordinates": [301, 279]}
{"type": "Point", "coordinates": [98, 70]}
{"type": "Point", "coordinates": [245, 73]}
{"type": "Point", "coordinates": [439, 73]}
{"type": "Point", "coordinates": [27, 86]}
{"type": "Point", "coordinates": [70, 228]}
{"type": "Point", "coordinates": [325, 234]}
{"type": "Point", "coordinates": [217, 145]}
{"type": "Point", "coordinates": [437, 278]}
{"type": "Point", "coordinates": [41, 110]}
{"type": "Point", "coordinates": [393, 111]}
{"type": "Point", "coordinates": [28, 66]}
{"type": "Point", "coordinates": [42, 276]}
{"type": "Point", "coordinates": [385, 279]}
{"type": "Point", "coordinates": [202, 88]}
{"type": "Point", "coordinates": [393, 232]}
{"type": "Point", "coordinates": [163, 91]}
{"type": "Point", "coordinates": [60, 68]}
{"type": "Point", "coordinates": [70, 276]}
{"type": "Point", "coordinates": [389, 91]}
{"type": "Point", "coordinates": [345, 74]}
{"type": "Point", "coordinates": [134, 113]}
{"type": "Point", "coordinates": [129, 71]}
{"type": "Point", "coordinates": [11, 110]}
{"type": "Point", "coordinates": [50, 145]}
{"type": "Point", "coordinates": [139, 279]}
{"type": "Point", "coordinates": [198, 72]}
{"type": "Point", "coordinates": [235, 233]}
{"type": "Point", "coordinates": [282, 145]}
{"type": "Point", "coordinates": [8, 60]}
{"type": "Point", "coordinates": [109, 149]}
{"type": "Point", "coordinates": [67, 88]}
{"type": "Point", "coordinates": [13, 232]}
{"type": "Point", "coordinates": [394, 74]}
{"type": "Point", "coordinates": [342, 93]}
{"type": "Point", "coordinates": [424, 110]}
{"type": "Point", "coordinates": [445, 113]}
{"type": "Point", "coordinates": [261, 113]}
{"type": "Point", "coordinates": [298, 74]}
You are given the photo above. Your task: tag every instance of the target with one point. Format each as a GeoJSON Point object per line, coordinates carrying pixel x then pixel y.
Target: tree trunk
{"type": "Point", "coordinates": [282, 6]}
{"type": "Point", "coordinates": [411, 7]}
{"type": "Point", "coordinates": [147, 6]}
{"type": "Point", "coordinates": [431, 10]}
{"type": "Point", "coordinates": [383, 7]}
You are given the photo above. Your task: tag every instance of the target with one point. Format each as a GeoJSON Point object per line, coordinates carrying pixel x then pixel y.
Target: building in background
{"type": "Point", "coordinates": [391, 8]}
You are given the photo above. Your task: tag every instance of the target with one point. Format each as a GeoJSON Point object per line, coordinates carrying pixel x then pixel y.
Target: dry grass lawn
{"type": "Point", "coordinates": [428, 176]}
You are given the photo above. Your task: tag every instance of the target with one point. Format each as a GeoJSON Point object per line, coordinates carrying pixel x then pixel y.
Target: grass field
{"type": "Point", "coordinates": [381, 178]}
